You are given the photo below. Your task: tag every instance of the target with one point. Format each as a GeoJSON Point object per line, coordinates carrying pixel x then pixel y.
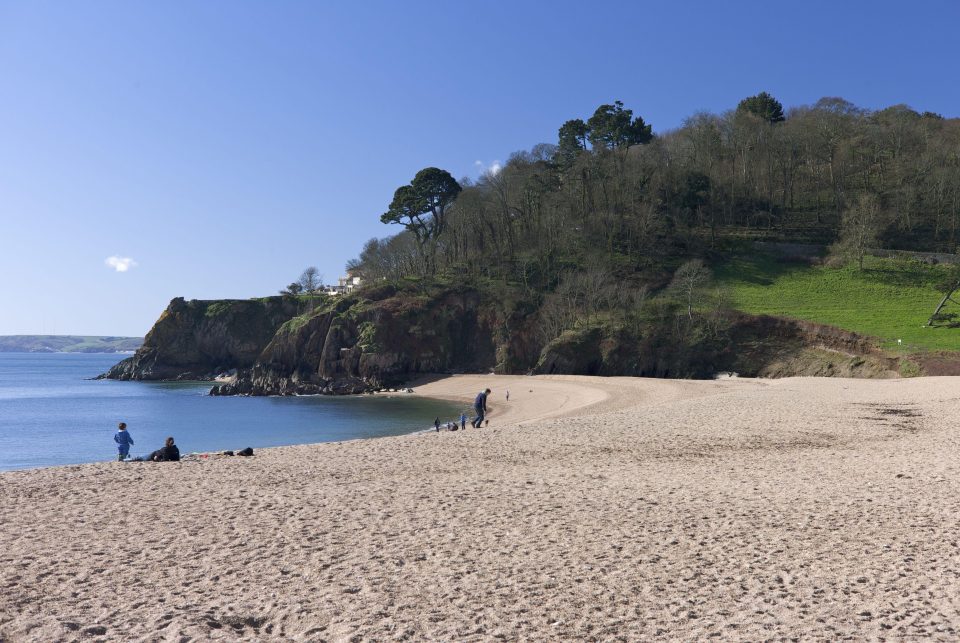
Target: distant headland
{"type": "Point", "coordinates": [68, 344]}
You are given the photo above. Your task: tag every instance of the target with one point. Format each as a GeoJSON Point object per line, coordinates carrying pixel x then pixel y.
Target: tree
{"type": "Point", "coordinates": [390, 258]}
{"type": "Point", "coordinates": [763, 106]}
{"type": "Point", "coordinates": [613, 126]}
{"type": "Point", "coordinates": [293, 289]}
{"type": "Point", "coordinates": [310, 280]}
{"type": "Point", "coordinates": [421, 207]}
{"type": "Point", "coordinates": [949, 285]}
{"type": "Point", "coordinates": [695, 191]}
{"type": "Point", "coordinates": [573, 141]}
{"type": "Point", "coordinates": [689, 280]}
{"type": "Point", "coordinates": [860, 229]}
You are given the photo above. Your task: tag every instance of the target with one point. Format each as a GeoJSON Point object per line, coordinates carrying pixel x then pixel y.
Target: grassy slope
{"type": "Point", "coordinates": [889, 299]}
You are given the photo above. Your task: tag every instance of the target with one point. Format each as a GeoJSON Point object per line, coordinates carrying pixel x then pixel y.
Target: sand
{"type": "Point", "coordinates": [589, 509]}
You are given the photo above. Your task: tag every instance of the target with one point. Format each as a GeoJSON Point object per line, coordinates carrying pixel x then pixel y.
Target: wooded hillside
{"type": "Point", "coordinates": [608, 194]}
{"type": "Point", "coordinates": [614, 227]}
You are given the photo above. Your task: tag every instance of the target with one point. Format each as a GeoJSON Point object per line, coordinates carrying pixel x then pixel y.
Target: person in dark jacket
{"type": "Point", "coordinates": [169, 453]}
{"type": "Point", "coordinates": [480, 407]}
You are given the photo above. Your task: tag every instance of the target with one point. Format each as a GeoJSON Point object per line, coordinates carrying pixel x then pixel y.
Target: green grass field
{"type": "Point", "coordinates": [890, 299]}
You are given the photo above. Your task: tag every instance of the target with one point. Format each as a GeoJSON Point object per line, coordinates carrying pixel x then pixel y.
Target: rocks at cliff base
{"type": "Point", "coordinates": [281, 387]}
{"type": "Point", "coordinates": [347, 387]}
{"type": "Point", "coordinates": [240, 387]}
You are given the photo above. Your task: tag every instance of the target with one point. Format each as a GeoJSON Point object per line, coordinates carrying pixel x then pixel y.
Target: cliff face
{"type": "Point", "coordinates": [753, 346]}
{"type": "Point", "coordinates": [198, 340]}
{"type": "Point", "coordinates": [384, 337]}
{"type": "Point", "coordinates": [775, 347]}
{"type": "Point", "coordinates": [383, 340]}
{"type": "Point", "coordinates": [347, 345]}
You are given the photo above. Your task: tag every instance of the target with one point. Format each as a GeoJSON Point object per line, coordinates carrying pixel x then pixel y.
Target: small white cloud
{"type": "Point", "coordinates": [120, 264]}
{"type": "Point", "coordinates": [493, 169]}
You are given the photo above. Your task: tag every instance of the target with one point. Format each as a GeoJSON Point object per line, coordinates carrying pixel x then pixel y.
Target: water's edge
{"type": "Point", "coordinates": [52, 414]}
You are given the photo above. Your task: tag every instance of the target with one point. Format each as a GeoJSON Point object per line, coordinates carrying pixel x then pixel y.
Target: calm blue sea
{"type": "Point", "coordinates": [51, 413]}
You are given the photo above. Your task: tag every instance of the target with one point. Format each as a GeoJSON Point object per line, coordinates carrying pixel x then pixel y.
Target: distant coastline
{"type": "Point", "coordinates": [68, 344]}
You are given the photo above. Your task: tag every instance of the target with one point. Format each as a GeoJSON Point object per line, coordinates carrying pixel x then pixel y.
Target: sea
{"type": "Point", "coordinates": [53, 413]}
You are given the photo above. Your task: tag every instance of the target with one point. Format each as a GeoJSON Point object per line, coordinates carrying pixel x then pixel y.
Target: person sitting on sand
{"type": "Point", "coordinates": [480, 406]}
{"type": "Point", "coordinates": [123, 440]}
{"type": "Point", "coordinates": [168, 453]}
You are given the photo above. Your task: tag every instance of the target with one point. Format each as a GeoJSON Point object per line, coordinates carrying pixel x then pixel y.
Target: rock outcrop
{"type": "Point", "coordinates": [753, 346]}
{"type": "Point", "coordinates": [381, 338]}
{"type": "Point", "coordinates": [385, 338]}
{"type": "Point", "coordinates": [198, 340]}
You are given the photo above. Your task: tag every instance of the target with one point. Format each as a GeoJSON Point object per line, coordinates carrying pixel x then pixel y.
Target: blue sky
{"type": "Point", "coordinates": [224, 146]}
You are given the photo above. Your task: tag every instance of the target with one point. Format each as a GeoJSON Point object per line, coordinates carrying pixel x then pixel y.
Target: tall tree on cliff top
{"type": "Point", "coordinates": [421, 207]}
{"type": "Point", "coordinates": [763, 106]}
{"type": "Point", "coordinates": [613, 126]}
{"type": "Point", "coordinates": [573, 141]}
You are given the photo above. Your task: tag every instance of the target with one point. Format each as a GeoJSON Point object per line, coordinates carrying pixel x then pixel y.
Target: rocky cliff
{"type": "Point", "coordinates": [198, 340]}
{"type": "Point", "coordinates": [383, 339]}
{"type": "Point", "coordinates": [385, 336]}
{"type": "Point", "coordinates": [753, 346]}
{"type": "Point", "coordinates": [346, 345]}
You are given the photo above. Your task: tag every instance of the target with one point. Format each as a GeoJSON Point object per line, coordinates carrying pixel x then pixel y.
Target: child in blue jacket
{"type": "Point", "coordinates": [123, 440]}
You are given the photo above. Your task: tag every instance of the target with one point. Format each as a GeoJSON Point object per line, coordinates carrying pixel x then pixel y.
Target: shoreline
{"type": "Point", "coordinates": [258, 422]}
{"type": "Point", "coordinates": [591, 508]}
{"type": "Point", "coordinates": [552, 399]}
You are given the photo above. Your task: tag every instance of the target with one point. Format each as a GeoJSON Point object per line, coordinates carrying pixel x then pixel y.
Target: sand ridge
{"type": "Point", "coordinates": [591, 509]}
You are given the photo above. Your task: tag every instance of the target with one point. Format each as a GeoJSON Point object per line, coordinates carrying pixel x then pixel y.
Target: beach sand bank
{"type": "Point", "coordinates": [589, 508]}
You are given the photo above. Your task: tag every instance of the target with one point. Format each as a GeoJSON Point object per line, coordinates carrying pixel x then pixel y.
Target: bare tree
{"type": "Point", "coordinates": [310, 280]}
{"type": "Point", "coordinates": [689, 281]}
{"type": "Point", "coordinates": [860, 229]}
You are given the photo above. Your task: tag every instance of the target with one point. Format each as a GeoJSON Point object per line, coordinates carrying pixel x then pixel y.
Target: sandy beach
{"type": "Point", "coordinates": [589, 509]}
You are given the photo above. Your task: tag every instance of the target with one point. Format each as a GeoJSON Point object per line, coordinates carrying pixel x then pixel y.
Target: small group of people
{"type": "Point", "coordinates": [169, 452]}
{"type": "Point", "coordinates": [479, 408]}
{"type": "Point", "coordinates": [449, 426]}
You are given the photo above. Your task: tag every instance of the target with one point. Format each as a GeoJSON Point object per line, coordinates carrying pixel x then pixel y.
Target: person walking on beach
{"type": "Point", "coordinates": [123, 440]}
{"type": "Point", "coordinates": [436, 423]}
{"type": "Point", "coordinates": [463, 421]}
{"type": "Point", "coordinates": [480, 406]}
{"type": "Point", "coordinates": [508, 395]}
